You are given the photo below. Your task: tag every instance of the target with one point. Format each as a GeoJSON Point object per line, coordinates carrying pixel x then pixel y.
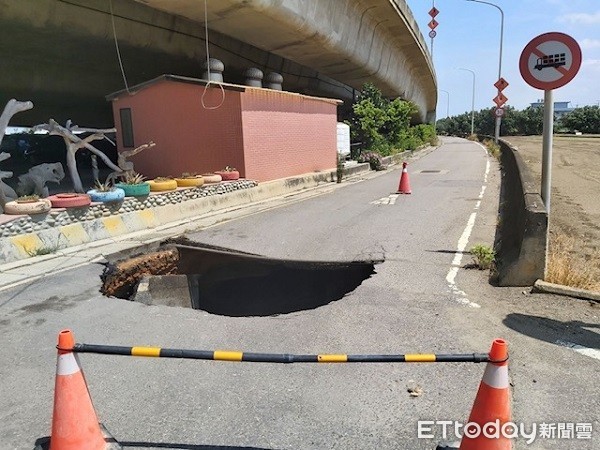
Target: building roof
{"type": "Point", "coordinates": [215, 84]}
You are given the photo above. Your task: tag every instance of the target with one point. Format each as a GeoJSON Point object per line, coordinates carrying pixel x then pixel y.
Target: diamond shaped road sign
{"type": "Point", "coordinates": [500, 99]}
{"type": "Point", "coordinates": [501, 84]}
{"type": "Point", "coordinates": [433, 12]}
{"type": "Point", "coordinates": [433, 24]}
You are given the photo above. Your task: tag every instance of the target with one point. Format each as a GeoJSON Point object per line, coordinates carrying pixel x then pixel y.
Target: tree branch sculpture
{"type": "Point", "coordinates": [127, 166]}
{"type": "Point", "coordinates": [74, 144]}
{"type": "Point", "coordinates": [6, 192]}
{"type": "Point", "coordinates": [12, 107]}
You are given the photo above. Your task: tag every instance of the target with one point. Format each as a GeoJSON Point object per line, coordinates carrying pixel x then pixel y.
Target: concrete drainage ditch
{"type": "Point", "coordinates": [230, 282]}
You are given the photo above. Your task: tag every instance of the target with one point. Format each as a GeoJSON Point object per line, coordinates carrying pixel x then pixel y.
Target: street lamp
{"type": "Point", "coordinates": [498, 119]}
{"type": "Point", "coordinates": [447, 102]}
{"type": "Point", "coordinates": [472, 101]}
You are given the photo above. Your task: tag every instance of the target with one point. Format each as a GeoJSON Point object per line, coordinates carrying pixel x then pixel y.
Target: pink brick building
{"type": "Point", "coordinates": [265, 134]}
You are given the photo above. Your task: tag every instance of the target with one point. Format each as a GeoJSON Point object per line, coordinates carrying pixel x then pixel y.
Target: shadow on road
{"type": "Point", "coordinates": [174, 446]}
{"type": "Point", "coordinates": [550, 330]}
{"type": "Point", "coordinates": [450, 252]}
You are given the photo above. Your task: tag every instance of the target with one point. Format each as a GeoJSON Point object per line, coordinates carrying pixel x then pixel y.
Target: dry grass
{"type": "Point", "coordinates": [565, 268]}
{"type": "Point", "coordinates": [574, 247]}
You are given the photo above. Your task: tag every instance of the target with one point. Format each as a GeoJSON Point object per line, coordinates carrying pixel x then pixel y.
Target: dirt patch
{"type": "Point", "coordinates": [121, 279]}
{"type": "Point", "coordinates": [575, 202]}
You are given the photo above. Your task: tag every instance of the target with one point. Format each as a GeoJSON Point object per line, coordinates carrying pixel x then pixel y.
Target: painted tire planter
{"type": "Point", "coordinates": [134, 190]}
{"type": "Point", "coordinates": [70, 200]}
{"type": "Point", "coordinates": [229, 176]}
{"type": "Point", "coordinates": [161, 186]}
{"type": "Point", "coordinates": [40, 206]}
{"type": "Point", "coordinates": [114, 195]}
{"type": "Point", "coordinates": [211, 178]}
{"type": "Point", "coordinates": [190, 182]}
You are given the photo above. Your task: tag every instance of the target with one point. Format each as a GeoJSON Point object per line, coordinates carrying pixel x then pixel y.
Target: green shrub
{"type": "Point", "coordinates": [383, 126]}
{"type": "Point", "coordinates": [483, 256]}
{"type": "Point", "coordinates": [40, 251]}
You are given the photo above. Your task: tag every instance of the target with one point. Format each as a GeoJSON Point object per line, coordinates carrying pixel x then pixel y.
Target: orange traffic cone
{"type": "Point", "coordinates": [491, 409]}
{"type": "Point", "coordinates": [404, 186]}
{"type": "Point", "coordinates": [74, 422]}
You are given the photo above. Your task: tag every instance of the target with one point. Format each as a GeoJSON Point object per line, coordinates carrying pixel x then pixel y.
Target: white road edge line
{"type": "Point", "coordinates": [461, 297]}
{"type": "Point", "coordinates": [586, 351]}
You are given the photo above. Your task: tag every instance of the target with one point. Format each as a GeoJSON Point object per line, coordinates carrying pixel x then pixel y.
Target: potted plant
{"type": "Point", "coordinates": [189, 180]}
{"type": "Point", "coordinates": [106, 193]}
{"type": "Point", "coordinates": [28, 204]}
{"type": "Point", "coordinates": [229, 173]}
{"type": "Point", "coordinates": [133, 185]}
{"type": "Point", "coordinates": [161, 184]}
{"type": "Point", "coordinates": [69, 200]}
{"type": "Point", "coordinates": [211, 178]}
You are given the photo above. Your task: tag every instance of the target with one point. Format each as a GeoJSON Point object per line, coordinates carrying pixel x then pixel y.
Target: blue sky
{"type": "Point", "coordinates": [468, 36]}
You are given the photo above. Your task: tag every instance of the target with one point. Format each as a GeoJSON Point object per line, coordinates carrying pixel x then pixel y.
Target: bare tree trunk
{"type": "Point", "coordinates": [3, 174]}
{"type": "Point", "coordinates": [72, 166]}
{"type": "Point", "coordinates": [12, 107]}
{"type": "Point", "coordinates": [95, 171]}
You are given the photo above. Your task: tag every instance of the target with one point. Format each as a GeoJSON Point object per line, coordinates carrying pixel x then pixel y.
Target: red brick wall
{"type": "Point", "coordinates": [188, 137]}
{"type": "Point", "coordinates": [287, 134]}
{"type": "Point", "coordinates": [265, 134]}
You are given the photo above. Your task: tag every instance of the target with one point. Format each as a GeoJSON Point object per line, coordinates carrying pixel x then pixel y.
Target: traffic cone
{"type": "Point", "coordinates": [74, 422]}
{"type": "Point", "coordinates": [404, 186]}
{"type": "Point", "coordinates": [492, 404]}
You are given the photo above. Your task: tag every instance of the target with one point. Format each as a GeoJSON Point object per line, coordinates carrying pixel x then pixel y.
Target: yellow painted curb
{"type": "Point", "coordinates": [114, 225]}
{"type": "Point", "coordinates": [75, 234]}
{"type": "Point", "coordinates": [148, 218]}
{"type": "Point", "coordinates": [26, 243]}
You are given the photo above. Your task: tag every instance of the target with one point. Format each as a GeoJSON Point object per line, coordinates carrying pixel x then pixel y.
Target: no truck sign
{"type": "Point", "coordinates": [550, 61]}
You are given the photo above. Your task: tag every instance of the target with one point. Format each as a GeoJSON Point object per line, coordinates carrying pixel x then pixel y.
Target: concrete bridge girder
{"type": "Point", "coordinates": [61, 53]}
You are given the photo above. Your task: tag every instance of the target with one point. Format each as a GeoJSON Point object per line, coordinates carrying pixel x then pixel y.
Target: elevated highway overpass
{"type": "Point", "coordinates": [61, 54]}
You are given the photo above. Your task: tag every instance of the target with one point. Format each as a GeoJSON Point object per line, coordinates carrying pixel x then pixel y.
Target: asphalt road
{"type": "Point", "coordinates": [414, 303]}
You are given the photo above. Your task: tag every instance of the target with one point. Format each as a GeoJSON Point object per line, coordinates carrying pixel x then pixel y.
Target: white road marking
{"type": "Point", "coordinates": [389, 200]}
{"type": "Point", "coordinates": [591, 352]}
{"type": "Point", "coordinates": [461, 296]}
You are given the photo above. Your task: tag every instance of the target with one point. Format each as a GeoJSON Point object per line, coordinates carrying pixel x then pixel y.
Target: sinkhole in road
{"type": "Point", "coordinates": [232, 283]}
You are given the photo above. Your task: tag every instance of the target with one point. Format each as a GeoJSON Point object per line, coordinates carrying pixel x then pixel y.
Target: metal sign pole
{"type": "Point", "coordinates": [547, 147]}
{"type": "Point", "coordinates": [497, 130]}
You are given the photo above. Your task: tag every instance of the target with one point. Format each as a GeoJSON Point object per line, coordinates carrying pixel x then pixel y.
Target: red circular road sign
{"type": "Point", "coordinates": [432, 34]}
{"type": "Point", "coordinates": [499, 112]}
{"type": "Point", "coordinates": [550, 61]}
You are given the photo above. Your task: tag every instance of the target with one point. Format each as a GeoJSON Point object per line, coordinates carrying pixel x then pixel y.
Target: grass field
{"type": "Point", "coordinates": [574, 208]}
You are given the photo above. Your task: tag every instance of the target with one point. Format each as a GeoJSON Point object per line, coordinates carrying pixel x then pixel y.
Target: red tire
{"type": "Point", "coordinates": [70, 200]}
{"type": "Point", "coordinates": [229, 176]}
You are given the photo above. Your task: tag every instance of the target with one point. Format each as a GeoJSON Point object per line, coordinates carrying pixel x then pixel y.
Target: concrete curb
{"type": "Point", "coordinates": [558, 289]}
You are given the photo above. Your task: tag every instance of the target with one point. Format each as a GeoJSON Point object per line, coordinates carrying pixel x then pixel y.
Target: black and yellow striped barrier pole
{"type": "Point", "coordinates": [224, 355]}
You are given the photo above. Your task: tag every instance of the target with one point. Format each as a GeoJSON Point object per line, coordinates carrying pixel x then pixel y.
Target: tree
{"type": "Point", "coordinates": [586, 120]}
{"type": "Point", "coordinates": [382, 125]}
